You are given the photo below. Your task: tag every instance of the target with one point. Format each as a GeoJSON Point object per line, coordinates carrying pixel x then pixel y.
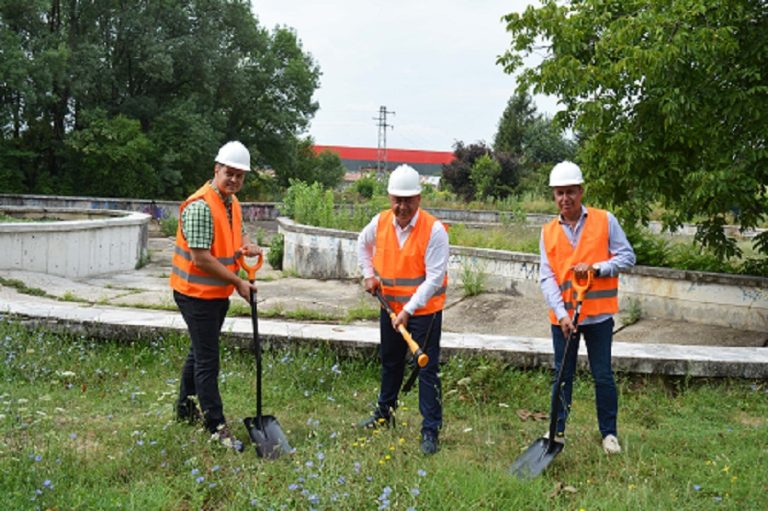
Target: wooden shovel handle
{"type": "Point", "coordinates": [421, 358]}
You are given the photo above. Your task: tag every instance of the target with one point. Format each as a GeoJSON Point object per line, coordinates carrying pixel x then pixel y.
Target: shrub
{"type": "Point", "coordinates": [309, 204]}
{"type": "Point", "coordinates": [275, 254]}
{"type": "Point", "coordinates": [168, 225]}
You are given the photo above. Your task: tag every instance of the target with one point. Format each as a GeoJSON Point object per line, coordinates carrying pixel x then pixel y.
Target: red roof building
{"type": "Point", "coordinates": [360, 159]}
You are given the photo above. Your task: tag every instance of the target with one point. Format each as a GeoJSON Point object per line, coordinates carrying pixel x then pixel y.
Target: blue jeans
{"type": "Point", "coordinates": [598, 338]}
{"type": "Point", "coordinates": [200, 374]}
{"type": "Point", "coordinates": [392, 353]}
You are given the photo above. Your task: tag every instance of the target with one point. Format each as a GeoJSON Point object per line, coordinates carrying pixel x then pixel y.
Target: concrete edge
{"type": "Point", "coordinates": [522, 352]}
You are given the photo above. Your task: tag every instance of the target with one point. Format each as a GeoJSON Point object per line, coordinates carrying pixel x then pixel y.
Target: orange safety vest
{"type": "Point", "coordinates": [602, 297]}
{"type": "Point", "coordinates": [402, 270]}
{"type": "Point", "coordinates": [188, 279]}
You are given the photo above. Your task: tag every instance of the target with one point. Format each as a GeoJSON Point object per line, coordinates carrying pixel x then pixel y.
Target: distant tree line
{"type": "Point", "coordinates": [134, 98]}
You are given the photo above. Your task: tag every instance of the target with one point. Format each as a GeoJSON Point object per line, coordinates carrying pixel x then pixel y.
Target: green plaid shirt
{"type": "Point", "coordinates": [197, 221]}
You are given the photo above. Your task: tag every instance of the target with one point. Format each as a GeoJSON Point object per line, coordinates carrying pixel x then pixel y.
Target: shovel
{"type": "Point", "coordinates": [543, 450]}
{"type": "Point", "coordinates": [421, 358]}
{"type": "Point", "coordinates": [264, 430]}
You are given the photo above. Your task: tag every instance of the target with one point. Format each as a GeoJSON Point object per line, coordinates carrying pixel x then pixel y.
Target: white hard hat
{"type": "Point", "coordinates": [565, 173]}
{"type": "Point", "coordinates": [235, 155]}
{"type": "Point", "coordinates": [404, 182]}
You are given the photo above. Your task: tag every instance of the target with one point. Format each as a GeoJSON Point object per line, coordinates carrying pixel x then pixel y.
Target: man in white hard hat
{"type": "Point", "coordinates": [209, 241]}
{"type": "Point", "coordinates": [579, 241]}
{"type": "Point", "coordinates": [403, 252]}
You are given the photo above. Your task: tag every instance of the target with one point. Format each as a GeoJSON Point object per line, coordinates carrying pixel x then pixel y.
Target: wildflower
{"type": "Point", "coordinates": [38, 457]}
{"type": "Point", "coordinates": [320, 456]}
{"type": "Point", "coordinates": [313, 499]}
{"type": "Point", "coordinates": [72, 436]}
{"type": "Point", "coordinates": [48, 484]}
{"type": "Point", "coordinates": [357, 467]}
{"type": "Point", "coordinates": [422, 472]}
{"type": "Point", "coordinates": [309, 464]}
{"type": "Point", "coordinates": [697, 487]}
{"type": "Point", "coordinates": [293, 487]}
{"type": "Point", "coordinates": [200, 479]}
{"type": "Point", "coordinates": [195, 471]}
{"type": "Point", "coordinates": [725, 469]}
{"type": "Point", "coordinates": [215, 468]}
{"type": "Point", "coordinates": [341, 480]}
{"type": "Point", "coordinates": [415, 492]}
{"type": "Point", "coordinates": [254, 502]}
{"type": "Point", "coordinates": [212, 485]}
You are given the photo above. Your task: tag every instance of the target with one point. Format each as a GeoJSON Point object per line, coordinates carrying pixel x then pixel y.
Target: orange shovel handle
{"type": "Point", "coordinates": [251, 269]}
{"type": "Point", "coordinates": [581, 288]}
{"type": "Point", "coordinates": [421, 358]}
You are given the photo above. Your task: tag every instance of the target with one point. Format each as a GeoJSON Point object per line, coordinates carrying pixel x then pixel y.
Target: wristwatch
{"type": "Point", "coordinates": [596, 269]}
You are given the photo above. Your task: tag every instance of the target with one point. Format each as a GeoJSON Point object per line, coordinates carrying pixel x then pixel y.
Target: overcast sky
{"type": "Point", "coordinates": [432, 62]}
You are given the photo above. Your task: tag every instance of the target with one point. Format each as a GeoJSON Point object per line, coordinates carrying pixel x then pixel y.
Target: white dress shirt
{"type": "Point", "coordinates": [435, 259]}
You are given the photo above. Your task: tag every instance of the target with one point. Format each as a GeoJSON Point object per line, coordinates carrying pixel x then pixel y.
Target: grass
{"type": "Point", "coordinates": [362, 311]}
{"type": "Point", "coordinates": [88, 425]}
{"type": "Point", "coordinates": [21, 287]}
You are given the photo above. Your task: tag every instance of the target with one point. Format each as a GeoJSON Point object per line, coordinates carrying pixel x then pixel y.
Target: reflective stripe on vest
{"type": "Point", "coordinates": [188, 279]}
{"type": "Point", "coordinates": [592, 247]}
{"type": "Point", "coordinates": [402, 270]}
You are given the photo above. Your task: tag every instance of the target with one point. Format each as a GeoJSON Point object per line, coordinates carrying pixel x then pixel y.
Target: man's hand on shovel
{"type": "Point", "coordinates": [247, 289]}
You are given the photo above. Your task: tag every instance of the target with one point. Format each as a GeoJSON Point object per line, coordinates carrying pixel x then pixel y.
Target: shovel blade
{"type": "Point", "coordinates": [266, 434]}
{"type": "Point", "coordinates": [535, 459]}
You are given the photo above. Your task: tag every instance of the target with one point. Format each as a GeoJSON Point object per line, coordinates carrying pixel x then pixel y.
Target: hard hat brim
{"type": "Point", "coordinates": [234, 165]}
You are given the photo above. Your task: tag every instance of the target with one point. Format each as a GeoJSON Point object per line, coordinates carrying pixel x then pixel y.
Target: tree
{"type": "Point", "coordinates": [499, 183]}
{"type": "Point", "coordinates": [484, 175]}
{"type": "Point", "coordinates": [669, 100]}
{"type": "Point", "coordinates": [193, 73]}
{"type": "Point", "coordinates": [324, 168]}
{"type": "Point", "coordinates": [112, 158]}
{"type": "Point", "coordinates": [533, 139]}
{"type": "Point", "coordinates": [457, 174]}
{"type": "Point", "coordinates": [517, 118]}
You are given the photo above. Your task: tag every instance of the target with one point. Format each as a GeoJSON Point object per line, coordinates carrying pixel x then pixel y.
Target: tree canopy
{"type": "Point", "coordinates": [162, 83]}
{"type": "Point", "coordinates": [669, 99]}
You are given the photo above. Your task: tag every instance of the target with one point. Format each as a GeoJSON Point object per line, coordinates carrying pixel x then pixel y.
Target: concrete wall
{"type": "Point", "coordinates": [86, 244]}
{"type": "Point", "coordinates": [158, 210]}
{"type": "Point", "coordinates": [708, 298]}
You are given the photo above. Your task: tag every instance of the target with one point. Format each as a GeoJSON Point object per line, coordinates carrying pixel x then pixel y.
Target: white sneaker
{"type": "Point", "coordinates": [559, 437]}
{"type": "Point", "coordinates": [611, 445]}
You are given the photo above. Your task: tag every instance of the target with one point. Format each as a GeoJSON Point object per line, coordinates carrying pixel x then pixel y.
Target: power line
{"type": "Point", "coordinates": [381, 153]}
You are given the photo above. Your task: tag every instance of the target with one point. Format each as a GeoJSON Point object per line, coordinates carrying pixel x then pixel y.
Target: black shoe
{"type": "Point", "coordinates": [429, 442]}
{"type": "Point", "coordinates": [188, 411]}
{"type": "Point", "coordinates": [377, 420]}
{"type": "Point", "coordinates": [225, 437]}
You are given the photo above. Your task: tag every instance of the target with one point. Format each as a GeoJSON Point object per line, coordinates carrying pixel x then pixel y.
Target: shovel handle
{"type": "Point", "coordinates": [582, 287]}
{"type": "Point", "coordinates": [421, 358]}
{"type": "Point", "coordinates": [251, 269]}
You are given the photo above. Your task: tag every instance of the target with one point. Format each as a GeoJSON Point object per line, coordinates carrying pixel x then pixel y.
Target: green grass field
{"type": "Point", "coordinates": [88, 425]}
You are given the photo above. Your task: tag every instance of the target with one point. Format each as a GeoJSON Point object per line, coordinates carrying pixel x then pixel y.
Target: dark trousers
{"type": "Point", "coordinates": [392, 353]}
{"type": "Point", "coordinates": [200, 374]}
{"type": "Point", "coordinates": [598, 338]}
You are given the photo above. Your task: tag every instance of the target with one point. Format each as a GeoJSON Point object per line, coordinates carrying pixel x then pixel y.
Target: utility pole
{"type": "Point", "coordinates": [381, 154]}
